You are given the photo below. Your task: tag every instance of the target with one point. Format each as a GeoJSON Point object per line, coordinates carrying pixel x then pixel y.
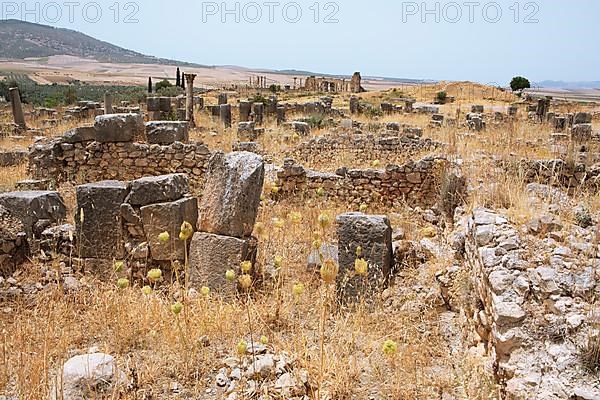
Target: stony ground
{"type": "Point", "coordinates": [422, 338]}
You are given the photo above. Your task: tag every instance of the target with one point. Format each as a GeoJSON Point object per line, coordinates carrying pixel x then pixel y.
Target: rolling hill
{"type": "Point", "coordinates": [20, 40]}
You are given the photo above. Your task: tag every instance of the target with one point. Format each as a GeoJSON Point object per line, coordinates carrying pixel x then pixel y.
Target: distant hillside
{"type": "Point", "coordinates": [20, 39]}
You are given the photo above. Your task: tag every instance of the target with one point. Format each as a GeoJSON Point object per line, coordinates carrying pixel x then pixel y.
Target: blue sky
{"type": "Point", "coordinates": [549, 40]}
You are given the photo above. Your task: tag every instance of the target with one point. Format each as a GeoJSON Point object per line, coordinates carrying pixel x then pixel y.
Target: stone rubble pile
{"type": "Point", "coordinates": [535, 290]}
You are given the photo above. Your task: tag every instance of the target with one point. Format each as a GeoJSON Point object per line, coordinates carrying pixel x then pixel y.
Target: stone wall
{"type": "Point", "coordinates": [361, 147]}
{"type": "Point", "coordinates": [558, 172]}
{"type": "Point", "coordinates": [417, 183]}
{"type": "Point", "coordinates": [13, 243]}
{"type": "Point", "coordinates": [535, 305]}
{"type": "Point", "coordinates": [12, 158]}
{"type": "Point", "coordinates": [61, 160]}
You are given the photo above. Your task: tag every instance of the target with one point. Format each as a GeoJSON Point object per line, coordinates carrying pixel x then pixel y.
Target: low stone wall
{"type": "Point", "coordinates": [12, 158]}
{"type": "Point", "coordinates": [13, 243]}
{"type": "Point", "coordinates": [417, 183]}
{"type": "Point", "coordinates": [558, 172]}
{"type": "Point", "coordinates": [535, 308]}
{"type": "Point", "coordinates": [362, 147]}
{"type": "Point", "coordinates": [91, 161]}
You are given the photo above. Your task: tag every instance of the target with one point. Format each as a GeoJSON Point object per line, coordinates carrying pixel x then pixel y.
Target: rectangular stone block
{"type": "Point", "coordinates": [168, 217]}
{"type": "Point", "coordinates": [30, 207]}
{"type": "Point", "coordinates": [164, 104]}
{"type": "Point", "coordinates": [167, 132]}
{"type": "Point", "coordinates": [212, 255]}
{"type": "Point", "coordinates": [373, 234]}
{"type": "Point", "coordinates": [80, 134]}
{"type": "Point", "coordinates": [158, 189]}
{"type": "Point", "coordinates": [99, 230]}
{"type": "Point", "coordinates": [231, 194]}
{"type": "Point", "coordinates": [118, 127]}
{"type": "Point", "coordinates": [153, 104]}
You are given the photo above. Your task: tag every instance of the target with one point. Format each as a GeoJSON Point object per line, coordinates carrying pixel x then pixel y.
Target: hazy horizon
{"type": "Point", "coordinates": [383, 39]}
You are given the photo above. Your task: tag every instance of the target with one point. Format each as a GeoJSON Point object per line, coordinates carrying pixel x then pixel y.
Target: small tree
{"type": "Point", "coordinates": [163, 84]}
{"type": "Point", "coordinates": [442, 96]}
{"type": "Point", "coordinates": [178, 78]}
{"type": "Point", "coordinates": [519, 83]}
{"type": "Point", "coordinates": [182, 81]}
{"type": "Point", "coordinates": [150, 85]}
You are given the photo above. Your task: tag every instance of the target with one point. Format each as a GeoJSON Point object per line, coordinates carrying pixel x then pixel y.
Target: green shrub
{"type": "Point", "coordinates": [442, 97]}
{"type": "Point", "coordinates": [162, 84]}
{"type": "Point", "coordinates": [316, 121]}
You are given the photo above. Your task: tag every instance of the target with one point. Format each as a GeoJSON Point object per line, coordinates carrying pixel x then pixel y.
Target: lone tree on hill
{"type": "Point", "coordinates": [519, 83]}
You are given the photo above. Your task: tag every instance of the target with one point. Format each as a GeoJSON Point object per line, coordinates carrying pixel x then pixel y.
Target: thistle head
{"type": "Point", "coordinates": [230, 275]}
{"type": "Point", "coordinates": [176, 308]}
{"type": "Point", "coordinates": [324, 220]}
{"type": "Point", "coordinates": [245, 281]}
{"type": "Point", "coordinates": [390, 348]}
{"type": "Point", "coordinates": [298, 289]}
{"type": "Point", "coordinates": [164, 237]}
{"type": "Point", "coordinates": [186, 231]}
{"type": "Point", "coordinates": [361, 267]}
{"type": "Point", "coordinates": [123, 283]}
{"type": "Point", "coordinates": [329, 271]}
{"type": "Point", "coordinates": [246, 266]}
{"type": "Point", "coordinates": [154, 275]}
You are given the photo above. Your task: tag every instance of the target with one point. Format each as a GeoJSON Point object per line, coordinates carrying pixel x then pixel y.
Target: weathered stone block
{"type": "Point", "coordinates": [212, 255]}
{"type": "Point", "coordinates": [158, 189]}
{"type": "Point", "coordinates": [32, 206]}
{"type": "Point", "coordinates": [373, 234]}
{"type": "Point", "coordinates": [80, 134]}
{"type": "Point", "coordinates": [232, 194]}
{"type": "Point", "coordinates": [301, 128]}
{"type": "Point", "coordinates": [582, 118]}
{"type": "Point", "coordinates": [168, 217]}
{"type": "Point", "coordinates": [118, 127]}
{"type": "Point", "coordinates": [164, 104]}
{"type": "Point", "coordinates": [153, 104]}
{"type": "Point", "coordinates": [167, 132]}
{"type": "Point", "coordinates": [98, 219]}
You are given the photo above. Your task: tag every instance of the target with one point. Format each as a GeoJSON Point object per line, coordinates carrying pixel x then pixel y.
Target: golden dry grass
{"type": "Point", "coordinates": [39, 333]}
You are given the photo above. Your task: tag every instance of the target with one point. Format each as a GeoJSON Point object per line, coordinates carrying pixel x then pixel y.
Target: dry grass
{"type": "Point", "coordinates": [39, 333]}
{"type": "Point", "coordinates": [9, 176]}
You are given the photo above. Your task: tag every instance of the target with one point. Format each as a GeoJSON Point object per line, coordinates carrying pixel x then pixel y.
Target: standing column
{"type": "Point", "coordinates": [280, 115]}
{"type": "Point", "coordinates": [17, 108]}
{"type": "Point", "coordinates": [189, 99]}
{"type": "Point", "coordinates": [245, 110]}
{"type": "Point", "coordinates": [108, 109]}
{"type": "Point", "coordinates": [225, 113]}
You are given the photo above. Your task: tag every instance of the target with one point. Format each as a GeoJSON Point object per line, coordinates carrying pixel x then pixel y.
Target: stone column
{"type": "Point", "coordinates": [225, 112]}
{"type": "Point", "coordinates": [245, 110]}
{"type": "Point", "coordinates": [354, 105]}
{"type": "Point", "coordinates": [272, 107]}
{"type": "Point", "coordinates": [280, 115]}
{"type": "Point", "coordinates": [259, 110]}
{"type": "Point", "coordinates": [17, 108]}
{"type": "Point", "coordinates": [108, 108]}
{"type": "Point", "coordinates": [189, 103]}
